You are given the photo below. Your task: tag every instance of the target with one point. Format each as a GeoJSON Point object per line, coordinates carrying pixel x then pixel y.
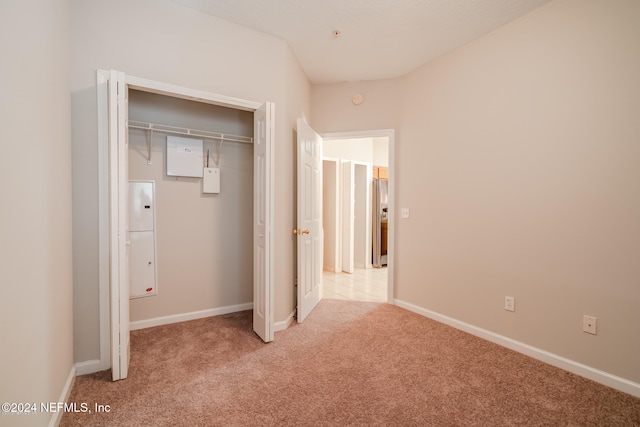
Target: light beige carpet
{"type": "Point", "coordinates": [349, 363]}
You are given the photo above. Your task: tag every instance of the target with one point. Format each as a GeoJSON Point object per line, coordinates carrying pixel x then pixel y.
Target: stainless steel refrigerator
{"type": "Point", "coordinates": [380, 216]}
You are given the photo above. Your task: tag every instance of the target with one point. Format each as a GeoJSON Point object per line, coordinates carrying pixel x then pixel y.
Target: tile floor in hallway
{"type": "Point", "coordinates": [365, 284]}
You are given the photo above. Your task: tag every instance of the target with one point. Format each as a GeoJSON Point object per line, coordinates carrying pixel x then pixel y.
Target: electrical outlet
{"type": "Point", "coordinates": [404, 213]}
{"type": "Point", "coordinates": [589, 324]}
{"type": "Point", "coordinates": [510, 303]}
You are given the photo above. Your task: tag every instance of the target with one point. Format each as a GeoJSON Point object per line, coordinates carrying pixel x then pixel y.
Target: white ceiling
{"type": "Point", "coordinates": [379, 39]}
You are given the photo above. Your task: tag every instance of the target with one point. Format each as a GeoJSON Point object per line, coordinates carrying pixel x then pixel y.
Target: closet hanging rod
{"type": "Point", "coordinates": [189, 132]}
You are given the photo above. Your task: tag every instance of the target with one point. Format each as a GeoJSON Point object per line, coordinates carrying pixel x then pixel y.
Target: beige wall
{"type": "Point", "coordinates": [35, 219]}
{"type": "Point", "coordinates": [162, 41]}
{"type": "Point", "coordinates": [526, 143]}
{"type": "Point", "coordinates": [333, 111]}
{"type": "Point", "coordinates": [381, 151]}
{"type": "Point", "coordinates": [518, 156]}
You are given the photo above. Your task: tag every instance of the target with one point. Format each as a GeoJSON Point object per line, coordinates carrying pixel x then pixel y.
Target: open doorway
{"type": "Point", "coordinates": [351, 220]}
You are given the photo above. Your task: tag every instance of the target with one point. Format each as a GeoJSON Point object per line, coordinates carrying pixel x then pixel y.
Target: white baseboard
{"type": "Point", "coordinates": [183, 317]}
{"type": "Point", "coordinates": [88, 367]}
{"type": "Point", "coordinates": [64, 397]}
{"type": "Point", "coordinates": [577, 368]}
{"type": "Point", "coordinates": [281, 326]}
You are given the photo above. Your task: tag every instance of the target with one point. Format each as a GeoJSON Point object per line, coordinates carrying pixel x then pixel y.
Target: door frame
{"type": "Point", "coordinates": [364, 203]}
{"type": "Point", "coordinates": [390, 135]}
{"type": "Point", "coordinates": [104, 179]}
{"type": "Point", "coordinates": [334, 253]}
{"type": "Point", "coordinates": [346, 214]}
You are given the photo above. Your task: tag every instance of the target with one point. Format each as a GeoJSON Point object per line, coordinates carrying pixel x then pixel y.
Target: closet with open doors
{"type": "Point", "coordinates": [211, 242]}
{"type": "Point", "coordinates": [200, 159]}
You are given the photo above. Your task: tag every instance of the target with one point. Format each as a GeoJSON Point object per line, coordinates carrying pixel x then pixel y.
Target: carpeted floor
{"type": "Point", "coordinates": [349, 363]}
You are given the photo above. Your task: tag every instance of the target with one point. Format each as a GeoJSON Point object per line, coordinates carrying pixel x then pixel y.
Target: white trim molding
{"type": "Point", "coordinates": [577, 368]}
{"type": "Point", "coordinates": [64, 397]}
{"type": "Point", "coordinates": [88, 367]}
{"type": "Point", "coordinates": [102, 78]}
{"type": "Point", "coordinates": [281, 326]}
{"type": "Point", "coordinates": [183, 317]}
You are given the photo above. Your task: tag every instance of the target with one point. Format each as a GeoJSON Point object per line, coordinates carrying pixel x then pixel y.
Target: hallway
{"type": "Point", "coordinates": [363, 285]}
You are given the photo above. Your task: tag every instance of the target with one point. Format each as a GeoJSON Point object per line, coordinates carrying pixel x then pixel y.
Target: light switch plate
{"type": "Point", "coordinates": [509, 303]}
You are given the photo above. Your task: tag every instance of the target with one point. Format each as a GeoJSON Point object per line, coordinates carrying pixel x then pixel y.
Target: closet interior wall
{"type": "Point", "coordinates": [204, 247]}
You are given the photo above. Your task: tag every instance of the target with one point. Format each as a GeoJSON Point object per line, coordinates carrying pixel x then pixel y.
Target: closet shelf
{"type": "Point", "coordinates": [189, 132]}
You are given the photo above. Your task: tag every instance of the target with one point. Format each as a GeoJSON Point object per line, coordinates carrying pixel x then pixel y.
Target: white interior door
{"type": "Point", "coordinates": [362, 215]}
{"type": "Point", "coordinates": [309, 231]}
{"type": "Point", "coordinates": [331, 214]}
{"type": "Point", "coordinates": [347, 216]}
{"type": "Point", "coordinates": [119, 228]}
{"type": "Point", "coordinates": [263, 136]}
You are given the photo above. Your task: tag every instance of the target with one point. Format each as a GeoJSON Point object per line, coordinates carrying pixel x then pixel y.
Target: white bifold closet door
{"type": "Point", "coordinates": [263, 137]}
{"type": "Point", "coordinates": [119, 232]}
